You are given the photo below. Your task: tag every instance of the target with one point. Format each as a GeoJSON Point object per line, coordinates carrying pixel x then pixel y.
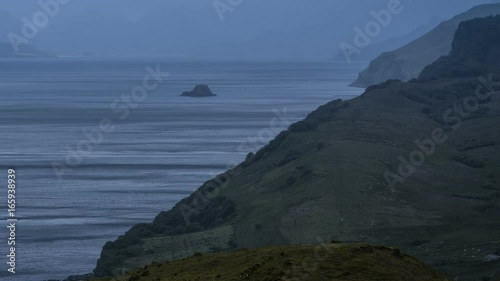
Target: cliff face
{"type": "Point", "coordinates": [408, 61]}
{"type": "Point", "coordinates": [475, 51]}
{"type": "Point", "coordinates": [410, 165]}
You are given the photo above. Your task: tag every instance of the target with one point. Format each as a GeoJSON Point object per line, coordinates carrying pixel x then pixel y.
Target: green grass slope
{"type": "Point", "coordinates": [325, 262]}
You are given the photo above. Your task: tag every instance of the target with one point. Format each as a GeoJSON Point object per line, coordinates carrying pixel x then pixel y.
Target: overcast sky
{"type": "Point", "coordinates": [267, 28]}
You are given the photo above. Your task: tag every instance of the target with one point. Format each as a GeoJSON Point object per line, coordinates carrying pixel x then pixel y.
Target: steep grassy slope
{"type": "Point", "coordinates": [408, 61]}
{"type": "Point", "coordinates": [335, 262]}
{"type": "Point", "coordinates": [332, 177]}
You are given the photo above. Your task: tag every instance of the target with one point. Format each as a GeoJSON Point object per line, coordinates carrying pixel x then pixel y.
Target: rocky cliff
{"type": "Point", "coordinates": [475, 51]}
{"type": "Point", "coordinates": [408, 61]}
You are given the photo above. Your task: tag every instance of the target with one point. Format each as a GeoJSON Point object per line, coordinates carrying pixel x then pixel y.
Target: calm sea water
{"type": "Point", "coordinates": [160, 153]}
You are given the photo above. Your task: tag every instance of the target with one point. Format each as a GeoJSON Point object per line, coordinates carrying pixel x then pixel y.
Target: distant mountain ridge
{"type": "Point", "coordinates": [6, 51]}
{"type": "Point", "coordinates": [408, 61]}
{"type": "Point", "coordinates": [373, 50]}
{"type": "Point", "coordinates": [10, 24]}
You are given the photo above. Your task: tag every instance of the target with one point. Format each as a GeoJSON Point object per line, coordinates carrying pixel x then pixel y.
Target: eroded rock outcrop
{"type": "Point", "coordinates": [199, 91]}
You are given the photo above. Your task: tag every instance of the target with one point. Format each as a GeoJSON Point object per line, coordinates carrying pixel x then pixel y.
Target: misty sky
{"type": "Point", "coordinates": [192, 28]}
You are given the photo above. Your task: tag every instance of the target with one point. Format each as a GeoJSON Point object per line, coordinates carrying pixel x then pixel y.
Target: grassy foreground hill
{"type": "Point", "coordinates": [413, 165]}
{"type": "Point", "coordinates": [332, 262]}
{"type": "Point", "coordinates": [408, 61]}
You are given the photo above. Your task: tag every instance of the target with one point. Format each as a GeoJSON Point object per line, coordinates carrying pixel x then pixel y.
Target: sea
{"type": "Point", "coordinates": [95, 152]}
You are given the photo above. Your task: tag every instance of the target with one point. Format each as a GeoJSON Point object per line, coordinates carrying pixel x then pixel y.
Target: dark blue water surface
{"type": "Point", "coordinates": [161, 152]}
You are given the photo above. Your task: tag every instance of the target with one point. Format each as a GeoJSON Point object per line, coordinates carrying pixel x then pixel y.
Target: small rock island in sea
{"type": "Point", "coordinates": [199, 91]}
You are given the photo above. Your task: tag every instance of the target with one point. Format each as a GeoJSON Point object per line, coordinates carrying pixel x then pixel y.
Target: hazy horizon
{"type": "Point", "coordinates": [250, 29]}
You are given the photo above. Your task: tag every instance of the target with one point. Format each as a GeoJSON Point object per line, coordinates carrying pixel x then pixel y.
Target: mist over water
{"type": "Point", "coordinates": [290, 29]}
{"type": "Point", "coordinates": [165, 149]}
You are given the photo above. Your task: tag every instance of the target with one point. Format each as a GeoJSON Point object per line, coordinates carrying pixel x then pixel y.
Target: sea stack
{"type": "Point", "coordinates": [199, 91]}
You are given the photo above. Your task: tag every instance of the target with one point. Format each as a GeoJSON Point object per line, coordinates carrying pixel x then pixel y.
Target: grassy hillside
{"type": "Point", "coordinates": [332, 262]}
{"type": "Point", "coordinates": [413, 165]}
{"type": "Point", "coordinates": [408, 61]}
